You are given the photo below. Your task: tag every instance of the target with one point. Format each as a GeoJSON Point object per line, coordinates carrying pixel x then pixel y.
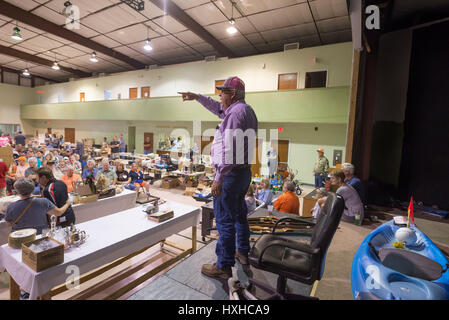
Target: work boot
{"type": "Point", "coordinates": [212, 270]}
{"type": "Point", "coordinates": [242, 257]}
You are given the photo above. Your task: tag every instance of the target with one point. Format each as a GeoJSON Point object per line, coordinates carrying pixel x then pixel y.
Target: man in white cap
{"type": "Point", "coordinates": [233, 173]}
{"type": "Point", "coordinates": [321, 168]}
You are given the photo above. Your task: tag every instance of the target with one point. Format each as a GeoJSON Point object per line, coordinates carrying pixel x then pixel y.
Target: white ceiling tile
{"type": "Point", "coordinates": [280, 18]}
{"type": "Point", "coordinates": [336, 37]}
{"type": "Point", "coordinates": [20, 64]}
{"type": "Point", "coordinates": [254, 6]}
{"type": "Point", "coordinates": [255, 38]}
{"type": "Point", "coordinates": [106, 41]}
{"type": "Point", "coordinates": [325, 9]}
{"type": "Point", "coordinates": [238, 41]}
{"type": "Point", "coordinates": [336, 24]}
{"type": "Point", "coordinates": [156, 28]}
{"type": "Point", "coordinates": [289, 32]}
{"type": "Point", "coordinates": [186, 4]}
{"type": "Point", "coordinates": [205, 49]}
{"type": "Point", "coordinates": [24, 49]}
{"type": "Point", "coordinates": [85, 7]}
{"type": "Point", "coordinates": [6, 59]}
{"type": "Point", "coordinates": [50, 15]}
{"type": "Point", "coordinates": [207, 14]}
{"type": "Point", "coordinates": [138, 32]}
{"type": "Point", "coordinates": [40, 43]}
{"type": "Point", "coordinates": [25, 5]}
{"type": "Point", "coordinates": [188, 37]}
{"type": "Point", "coordinates": [113, 18]}
{"type": "Point", "coordinates": [81, 48]}
{"type": "Point", "coordinates": [85, 31]}
{"type": "Point", "coordinates": [68, 51]}
{"type": "Point", "coordinates": [169, 24]}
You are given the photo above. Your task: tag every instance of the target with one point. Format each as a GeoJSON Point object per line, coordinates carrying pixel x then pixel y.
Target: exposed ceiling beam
{"type": "Point", "coordinates": [31, 58]}
{"type": "Point", "coordinates": [177, 13]}
{"type": "Point", "coordinates": [35, 21]}
{"type": "Point", "coordinates": [32, 75]}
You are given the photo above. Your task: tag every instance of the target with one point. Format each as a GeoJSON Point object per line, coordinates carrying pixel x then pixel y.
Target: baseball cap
{"type": "Point", "coordinates": [21, 159]}
{"type": "Point", "coordinates": [320, 150]}
{"type": "Point", "coordinates": [234, 83]}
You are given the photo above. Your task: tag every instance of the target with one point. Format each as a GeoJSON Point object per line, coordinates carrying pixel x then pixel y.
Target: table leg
{"type": "Point", "coordinates": [193, 239]}
{"type": "Point", "coordinates": [14, 289]}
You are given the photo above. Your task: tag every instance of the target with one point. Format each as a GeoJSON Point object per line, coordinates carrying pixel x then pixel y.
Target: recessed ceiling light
{"type": "Point", "coordinates": [16, 35]}
{"type": "Point", "coordinates": [147, 45]}
{"type": "Point", "coordinates": [93, 58]}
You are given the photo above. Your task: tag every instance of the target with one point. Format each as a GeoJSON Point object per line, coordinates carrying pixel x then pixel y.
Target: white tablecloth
{"type": "Point", "coordinates": [89, 211]}
{"type": "Point", "coordinates": [110, 238]}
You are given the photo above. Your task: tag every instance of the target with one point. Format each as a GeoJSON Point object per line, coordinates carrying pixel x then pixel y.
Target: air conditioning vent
{"type": "Point", "coordinates": [291, 46]}
{"type": "Point", "coordinates": [154, 66]}
{"type": "Point", "coordinates": [210, 58]}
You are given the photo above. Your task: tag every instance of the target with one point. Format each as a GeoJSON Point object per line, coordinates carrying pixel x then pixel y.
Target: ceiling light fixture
{"type": "Point", "coordinates": [94, 58]}
{"type": "Point", "coordinates": [26, 72]}
{"type": "Point", "coordinates": [55, 65]}
{"type": "Point", "coordinates": [148, 45]}
{"type": "Point", "coordinates": [16, 35]}
{"type": "Point", "coordinates": [232, 29]}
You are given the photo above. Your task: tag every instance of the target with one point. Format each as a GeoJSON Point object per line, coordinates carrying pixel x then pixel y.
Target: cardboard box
{"type": "Point", "coordinates": [85, 199]}
{"type": "Point", "coordinates": [161, 216]}
{"type": "Point", "coordinates": [190, 191]}
{"type": "Point", "coordinates": [39, 261]}
{"type": "Point", "coordinates": [170, 182]}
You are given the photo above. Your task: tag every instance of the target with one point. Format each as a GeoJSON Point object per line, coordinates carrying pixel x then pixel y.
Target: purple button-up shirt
{"type": "Point", "coordinates": [235, 139]}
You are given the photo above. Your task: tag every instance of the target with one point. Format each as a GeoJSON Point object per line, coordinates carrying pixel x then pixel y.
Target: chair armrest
{"type": "Point", "coordinates": [310, 223]}
{"type": "Point", "coordinates": [291, 245]}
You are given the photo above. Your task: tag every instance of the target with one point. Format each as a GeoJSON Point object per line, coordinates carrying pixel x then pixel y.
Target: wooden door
{"type": "Point", "coordinates": [69, 135]}
{"type": "Point", "coordinates": [288, 81]}
{"type": "Point", "coordinates": [133, 93]}
{"type": "Point", "coordinates": [255, 167]}
{"type": "Point", "coordinates": [145, 93]}
{"type": "Point", "coordinates": [218, 83]}
{"type": "Point", "coordinates": [148, 136]}
{"type": "Point", "coordinates": [283, 150]}
{"type": "Point", "coordinates": [82, 97]}
{"type": "Point", "coordinates": [49, 130]}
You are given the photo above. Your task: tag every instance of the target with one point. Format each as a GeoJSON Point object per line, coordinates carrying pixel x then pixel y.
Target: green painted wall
{"type": "Point", "coordinates": [324, 105]}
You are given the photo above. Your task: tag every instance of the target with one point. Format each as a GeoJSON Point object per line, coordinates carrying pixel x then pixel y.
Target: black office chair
{"type": "Point", "coordinates": [299, 261]}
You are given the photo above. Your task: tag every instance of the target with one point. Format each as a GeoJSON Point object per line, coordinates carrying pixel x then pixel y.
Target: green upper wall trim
{"type": "Point", "coordinates": [321, 105]}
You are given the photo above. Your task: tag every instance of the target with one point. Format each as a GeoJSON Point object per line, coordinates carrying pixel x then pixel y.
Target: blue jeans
{"type": "Point", "coordinates": [318, 180]}
{"type": "Point", "coordinates": [146, 151]}
{"type": "Point", "coordinates": [231, 217]}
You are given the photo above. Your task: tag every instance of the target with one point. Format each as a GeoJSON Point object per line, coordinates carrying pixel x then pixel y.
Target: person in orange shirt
{"type": "Point", "coordinates": [70, 179]}
{"type": "Point", "coordinates": [288, 202]}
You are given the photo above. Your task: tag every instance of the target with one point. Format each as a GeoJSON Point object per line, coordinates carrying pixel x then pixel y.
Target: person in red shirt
{"type": "Point", "coordinates": [3, 172]}
{"type": "Point", "coordinates": [288, 202]}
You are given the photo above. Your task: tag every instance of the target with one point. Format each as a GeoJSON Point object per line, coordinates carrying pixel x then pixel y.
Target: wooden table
{"type": "Point", "coordinates": [110, 238]}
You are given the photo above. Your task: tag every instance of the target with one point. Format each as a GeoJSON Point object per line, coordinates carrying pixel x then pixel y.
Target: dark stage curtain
{"type": "Point", "coordinates": [425, 158]}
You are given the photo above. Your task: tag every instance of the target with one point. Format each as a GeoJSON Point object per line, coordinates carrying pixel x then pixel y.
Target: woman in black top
{"type": "Point", "coordinates": [122, 175]}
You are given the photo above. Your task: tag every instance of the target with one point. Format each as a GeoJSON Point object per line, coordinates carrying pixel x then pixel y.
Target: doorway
{"type": "Point", "coordinates": [82, 97]}
{"type": "Point", "coordinates": [131, 139]}
{"type": "Point", "coordinates": [148, 142]}
{"type": "Point", "coordinates": [69, 135]}
{"type": "Point", "coordinates": [133, 93]}
{"type": "Point", "coordinates": [145, 93]}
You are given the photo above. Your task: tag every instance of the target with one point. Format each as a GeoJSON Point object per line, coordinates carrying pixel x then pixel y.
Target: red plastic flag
{"type": "Point", "coordinates": [410, 210]}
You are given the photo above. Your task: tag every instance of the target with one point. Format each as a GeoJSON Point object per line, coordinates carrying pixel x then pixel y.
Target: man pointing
{"type": "Point", "coordinates": [233, 173]}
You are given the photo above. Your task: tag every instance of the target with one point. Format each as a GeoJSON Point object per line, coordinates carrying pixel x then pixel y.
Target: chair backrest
{"type": "Point", "coordinates": [327, 225]}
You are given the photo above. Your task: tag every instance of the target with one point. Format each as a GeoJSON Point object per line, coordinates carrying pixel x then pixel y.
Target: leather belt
{"type": "Point", "coordinates": [241, 166]}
